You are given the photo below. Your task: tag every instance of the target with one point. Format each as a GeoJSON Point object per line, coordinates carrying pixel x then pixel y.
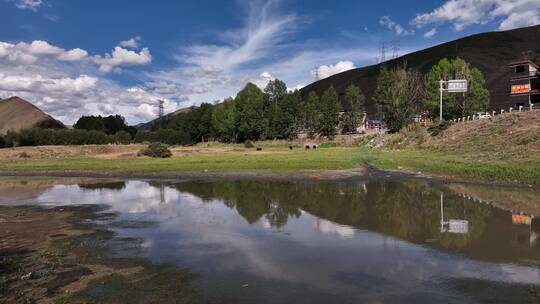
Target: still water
{"type": "Point", "coordinates": [313, 242]}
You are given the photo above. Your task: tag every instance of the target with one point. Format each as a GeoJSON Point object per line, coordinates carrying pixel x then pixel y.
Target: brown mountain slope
{"type": "Point", "coordinates": [17, 113]}
{"type": "Point", "coordinates": [489, 52]}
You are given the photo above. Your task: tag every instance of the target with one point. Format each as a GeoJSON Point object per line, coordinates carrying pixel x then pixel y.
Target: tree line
{"type": "Point", "coordinates": [272, 113]}
{"type": "Point", "coordinates": [277, 113]}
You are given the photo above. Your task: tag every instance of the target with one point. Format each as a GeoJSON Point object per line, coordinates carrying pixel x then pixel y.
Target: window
{"type": "Point", "coordinates": [520, 69]}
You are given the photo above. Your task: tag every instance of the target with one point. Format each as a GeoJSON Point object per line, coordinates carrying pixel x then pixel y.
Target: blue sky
{"type": "Point", "coordinates": [74, 58]}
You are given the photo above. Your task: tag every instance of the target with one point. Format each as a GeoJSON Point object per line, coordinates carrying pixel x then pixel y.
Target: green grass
{"type": "Point", "coordinates": [522, 171]}
{"type": "Point", "coordinates": [284, 161]}
{"type": "Point", "coordinates": [275, 161]}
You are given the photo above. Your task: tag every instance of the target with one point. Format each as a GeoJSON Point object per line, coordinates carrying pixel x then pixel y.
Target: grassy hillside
{"type": "Point", "coordinates": [500, 148]}
{"type": "Point", "coordinates": [489, 52]}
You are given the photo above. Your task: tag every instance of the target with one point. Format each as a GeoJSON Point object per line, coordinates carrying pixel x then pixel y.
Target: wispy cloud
{"type": "Point", "coordinates": [32, 5]}
{"type": "Point", "coordinates": [430, 33]}
{"type": "Point", "coordinates": [399, 30]}
{"type": "Point", "coordinates": [463, 13]}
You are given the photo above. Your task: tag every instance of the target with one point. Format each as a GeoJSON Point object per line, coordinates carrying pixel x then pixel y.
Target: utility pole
{"type": "Point", "coordinates": [383, 52]}
{"type": "Point", "coordinates": [441, 89]}
{"type": "Point", "coordinates": [395, 49]}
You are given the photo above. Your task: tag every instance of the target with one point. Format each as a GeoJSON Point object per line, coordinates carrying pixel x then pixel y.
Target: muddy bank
{"type": "Point", "coordinates": [55, 255]}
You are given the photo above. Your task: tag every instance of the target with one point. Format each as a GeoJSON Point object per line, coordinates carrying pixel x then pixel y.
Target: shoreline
{"type": "Point", "coordinates": [362, 173]}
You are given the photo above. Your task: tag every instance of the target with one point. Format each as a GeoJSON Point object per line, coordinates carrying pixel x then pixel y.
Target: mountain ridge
{"type": "Point", "coordinates": [490, 52]}
{"type": "Point", "coordinates": [17, 113]}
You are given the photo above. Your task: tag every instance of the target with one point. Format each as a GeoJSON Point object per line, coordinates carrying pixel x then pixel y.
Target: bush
{"type": "Point", "coordinates": [438, 128]}
{"type": "Point", "coordinates": [156, 150]}
{"type": "Point", "coordinates": [2, 142]}
{"type": "Point", "coordinates": [248, 144]}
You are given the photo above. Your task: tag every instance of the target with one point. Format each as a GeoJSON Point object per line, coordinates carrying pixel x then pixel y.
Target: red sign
{"type": "Point", "coordinates": [521, 88]}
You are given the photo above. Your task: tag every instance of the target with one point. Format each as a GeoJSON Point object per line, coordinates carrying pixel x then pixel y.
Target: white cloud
{"type": "Point", "coordinates": [325, 71]}
{"type": "Point", "coordinates": [29, 4]}
{"type": "Point", "coordinates": [40, 84]}
{"type": "Point", "coordinates": [24, 53]}
{"type": "Point", "coordinates": [430, 33]}
{"type": "Point", "coordinates": [122, 57]}
{"type": "Point", "coordinates": [67, 85]}
{"type": "Point", "coordinates": [463, 13]}
{"type": "Point", "coordinates": [73, 55]}
{"type": "Point", "coordinates": [263, 80]}
{"type": "Point", "coordinates": [394, 26]}
{"type": "Point", "coordinates": [133, 43]}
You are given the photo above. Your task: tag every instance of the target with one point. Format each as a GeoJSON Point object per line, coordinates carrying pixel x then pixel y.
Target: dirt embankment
{"type": "Point", "coordinates": [511, 136]}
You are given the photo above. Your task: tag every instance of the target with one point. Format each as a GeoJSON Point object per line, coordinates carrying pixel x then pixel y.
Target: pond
{"type": "Point", "coordinates": [386, 241]}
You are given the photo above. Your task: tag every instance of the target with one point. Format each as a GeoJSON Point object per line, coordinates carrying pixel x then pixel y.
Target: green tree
{"type": "Point", "coordinates": [329, 107]}
{"type": "Point", "coordinates": [355, 99]}
{"type": "Point", "coordinates": [399, 96]}
{"type": "Point", "coordinates": [456, 105]}
{"type": "Point", "coordinates": [286, 121]}
{"type": "Point", "coordinates": [312, 114]}
{"type": "Point", "coordinates": [223, 120]}
{"type": "Point", "coordinates": [275, 90]}
{"type": "Point", "coordinates": [251, 122]}
{"type": "Point", "coordinates": [90, 123]}
{"type": "Point", "coordinates": [122, 137]}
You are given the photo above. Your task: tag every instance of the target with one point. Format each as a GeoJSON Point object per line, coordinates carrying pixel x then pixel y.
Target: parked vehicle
{"type": "Point", "coordinates": [482, 115]}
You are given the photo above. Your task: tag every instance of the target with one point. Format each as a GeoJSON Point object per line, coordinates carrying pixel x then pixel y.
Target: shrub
{"type": "Point", "coordinates": [2, 142]}
{"type": "Point", "coordinates": [438, 128]}
{"type": "Point", "coordinates": [24, 155]}
{"type": "Point", "coordinates": [158, 150]}
{"type": "Point", "coordinates": [248, 144]}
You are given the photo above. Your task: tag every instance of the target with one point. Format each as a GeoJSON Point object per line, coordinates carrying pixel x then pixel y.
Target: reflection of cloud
{"type": "Point", "coordinates": [328, 227]}
{"type": "Point", "coordinates": [209, 237]}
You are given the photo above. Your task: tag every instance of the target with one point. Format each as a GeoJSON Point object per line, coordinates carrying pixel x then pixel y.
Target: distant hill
{"type": "Point", "coordinates": [17, 113]}
{"type": "Point", "coordinates": [489, 52]}
{"type": "Point", "coordinates": [147, 126]}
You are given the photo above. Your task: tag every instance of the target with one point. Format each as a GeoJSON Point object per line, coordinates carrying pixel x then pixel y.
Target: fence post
{"type": "Point", "coordinates": [531, 106]}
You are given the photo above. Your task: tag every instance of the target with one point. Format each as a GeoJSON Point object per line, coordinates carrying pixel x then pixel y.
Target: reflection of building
{"type": "Point", "coordinates": [524, 84]}
{"type": "Point", "coordinates": [525, 229]}
{"type": "Point", "coordinates": [453, 225]}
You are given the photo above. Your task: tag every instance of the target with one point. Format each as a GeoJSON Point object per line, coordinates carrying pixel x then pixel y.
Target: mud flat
{"type": "Point", "coordinates": [53, 255]}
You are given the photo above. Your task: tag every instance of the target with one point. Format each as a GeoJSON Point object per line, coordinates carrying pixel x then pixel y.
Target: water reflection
{"type": "Point", "coordinates": [321, 242]}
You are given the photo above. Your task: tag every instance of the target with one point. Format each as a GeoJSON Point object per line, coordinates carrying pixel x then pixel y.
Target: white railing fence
{"type": "Point", "coordinates": [531, 107]}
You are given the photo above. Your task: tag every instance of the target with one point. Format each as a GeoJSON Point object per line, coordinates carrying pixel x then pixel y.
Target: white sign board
{"type": "Point", "coordinates": [457, 86]}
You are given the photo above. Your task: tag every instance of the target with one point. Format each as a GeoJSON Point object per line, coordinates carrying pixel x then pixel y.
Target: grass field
{"type": "Point", "coordinates": [274, 160]}
{"type": "Point", "coordinates": [281, 160]}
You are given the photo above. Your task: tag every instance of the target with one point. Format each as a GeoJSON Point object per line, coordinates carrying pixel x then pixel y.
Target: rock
{"type": "Point", "coordinates": [26, 276]}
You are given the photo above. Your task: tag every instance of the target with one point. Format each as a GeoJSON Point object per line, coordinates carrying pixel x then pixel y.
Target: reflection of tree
{"type": "Point", "coordinates": [409, 210]}
{"type": "Point", "coordinates": [252, 200]}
